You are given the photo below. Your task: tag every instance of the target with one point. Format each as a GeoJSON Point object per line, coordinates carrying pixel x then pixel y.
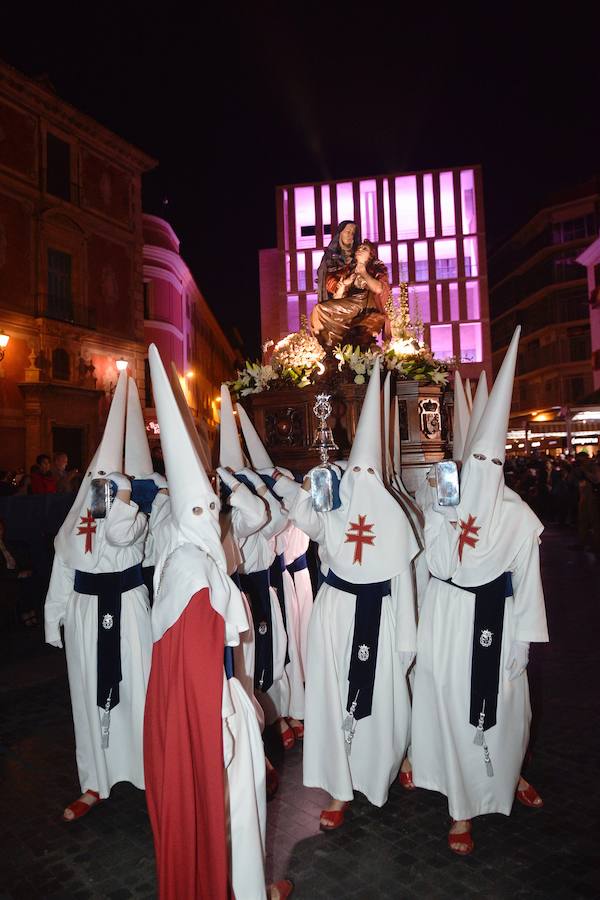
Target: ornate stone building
{"type": "Point", "coordinates": [75, 278]}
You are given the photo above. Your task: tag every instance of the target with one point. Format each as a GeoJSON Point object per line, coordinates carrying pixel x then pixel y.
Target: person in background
{"type": "Point", "coordinates": [62, 476]}
{"type": "Point", "coordinates": [15, 575]}
{"type": "Point", "coordinates": [42, 479]}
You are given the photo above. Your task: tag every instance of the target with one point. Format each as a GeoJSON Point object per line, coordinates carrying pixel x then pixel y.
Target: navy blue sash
{"type": "Point", "coordinates": [488, 624]}
{"type": "Point", "coordinates": [256, 587]}
{"type": "Point", "coordinates": [228, 654]}
{"type": "Point", "coordinates": [298, 564]}
{"type": "Point", "coordinates": [108, 587]}
{"type": "Point", "coordinates": [148, 576]}
{"type": "Point", "coordinates": [276, 575]}
{"type": "Point", "coordinates": [363, 660]}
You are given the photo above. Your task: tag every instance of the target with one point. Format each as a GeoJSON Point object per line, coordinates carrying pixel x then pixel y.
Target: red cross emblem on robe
{"type": "Point", "coordinates": [86, 527]}
{"type": "Point", "coordinates": [357, 535]}
{"type": "Point", "coordinates": [468, 534]}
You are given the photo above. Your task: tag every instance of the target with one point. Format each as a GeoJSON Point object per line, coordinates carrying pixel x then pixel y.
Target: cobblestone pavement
{"type": "Point", "coordinates": [399, 851]}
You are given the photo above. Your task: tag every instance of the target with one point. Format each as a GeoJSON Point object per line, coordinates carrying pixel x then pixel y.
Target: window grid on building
{"type": "Point", "coordinates": [425, 227]}
{"type": "Point", "coordinates": [60, 300]}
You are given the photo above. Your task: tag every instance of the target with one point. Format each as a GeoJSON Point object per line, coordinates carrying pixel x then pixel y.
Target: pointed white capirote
{"type": "Point", "coordinates": [489, 431]}
{"type": "Point", "coordinates": [230, 448]}
{"type": "Point", "coordinates": [366, 448]}
{"type": "Point", "coordinates": [194, 504]}
{"type": "Point", "coordinates": [462, 417]}
{"type": "Point", "coordinates": [186, 414]}
{"type": "Point", "coordinates": [259, 457]}
{"type": "Point", "coordinates": [138, 461]}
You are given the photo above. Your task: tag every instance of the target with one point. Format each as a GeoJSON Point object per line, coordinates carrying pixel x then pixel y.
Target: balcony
{"type": "Point", "coordinates": [65, 309]}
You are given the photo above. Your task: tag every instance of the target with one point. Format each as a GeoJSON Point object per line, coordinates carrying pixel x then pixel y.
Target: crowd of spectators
{"type": "Point", "coordinates": [46, 476]}
{"type": "Point", "coordinates": [561, 490]}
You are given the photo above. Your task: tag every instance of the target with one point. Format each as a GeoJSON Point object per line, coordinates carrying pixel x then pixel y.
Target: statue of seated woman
{"type": "Point", "coordinates": [352, 298]}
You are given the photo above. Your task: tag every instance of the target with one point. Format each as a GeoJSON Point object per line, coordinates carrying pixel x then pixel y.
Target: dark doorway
{"type": "Point", "coordinates": [69, 441]}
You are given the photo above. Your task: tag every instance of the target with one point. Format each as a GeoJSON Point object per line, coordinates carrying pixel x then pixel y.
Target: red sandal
{"type": "Point", "coordinates": [335, 816]}
{"type": "Point", "coordinates": [79, 808]}
{"type": "Point", "coordinates": [461, 837]}
{"type": "Point", "coordinates": [529, 796]}
{"type": "Point", "coordinates": [287, 738]}
{"type": "Point", "coordinates": [284, 888]}
{"type": "Point", "coordinates": [406, 780]}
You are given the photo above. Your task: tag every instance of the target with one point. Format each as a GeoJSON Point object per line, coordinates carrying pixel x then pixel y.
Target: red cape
{"type": "Point", "coordinates": [183, 756]}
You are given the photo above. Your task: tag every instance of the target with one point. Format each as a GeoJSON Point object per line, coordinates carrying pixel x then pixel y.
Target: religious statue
{"type": "Point", "coordinates": [353, 290]}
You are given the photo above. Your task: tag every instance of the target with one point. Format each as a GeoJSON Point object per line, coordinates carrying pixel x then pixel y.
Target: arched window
{"type": "Point", "coordinates": [61, 364]}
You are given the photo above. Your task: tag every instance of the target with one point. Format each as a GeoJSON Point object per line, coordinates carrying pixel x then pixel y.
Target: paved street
{"type": "Point", "coordinates": [399, 851]}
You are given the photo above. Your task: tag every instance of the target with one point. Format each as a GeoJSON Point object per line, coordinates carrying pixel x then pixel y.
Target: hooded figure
{"type": "Point", "coordinates": [243, 514]}
{"type": "Point", "coordinates": [291, 578]}
{"type": "Point", "coordinates": [148, 488]}
{"type": "Point", "coordinates": [97, 592]}
{"type": "Point", "coordinates": [255, 551]}
{"type": "Point", "coordinates": [361, 633]}
{"type": "Point", "coordinates": [484, 604]}
{"type": "Point", "coordinates": [200, 731]}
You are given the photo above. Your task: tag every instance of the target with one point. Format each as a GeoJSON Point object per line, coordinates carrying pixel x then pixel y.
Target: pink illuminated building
{"type": "Point", "coordinates": [181, 324]}
{"type": "Point", "coordinates": [429, 231]}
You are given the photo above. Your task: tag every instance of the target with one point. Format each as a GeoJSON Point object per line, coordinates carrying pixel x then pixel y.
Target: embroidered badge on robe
{"type": "Point", "coordinates": [485, 638]}
{"type": "Point", "coordinates": [262, 628]}
{"type": "Point", "coordinates": [85, 527]}
{"type": "Point", "coordinates": [357, 535]}
{"type": "Point", "coordinates": [468, 534]}
{"type": "Point", "coordinates": [363, 652]}
{"type": "Point", "coordinates": [107, 621]}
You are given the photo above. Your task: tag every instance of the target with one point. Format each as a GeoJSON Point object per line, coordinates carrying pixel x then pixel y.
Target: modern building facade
{"type": "Point", "coordinates": [179, 321]}
{"type": "Point", "coordinates": [537, 282]}
{"type": "Point", "coordinates": [429, 230]}
{"type": "Point", "coordinates": [590, 258]}
{"type": "Point", "coordinates": [77, 281]}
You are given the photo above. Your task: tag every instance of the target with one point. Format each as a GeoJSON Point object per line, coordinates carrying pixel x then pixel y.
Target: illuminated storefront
{"type": "Point", "coordinates": [554, 432]}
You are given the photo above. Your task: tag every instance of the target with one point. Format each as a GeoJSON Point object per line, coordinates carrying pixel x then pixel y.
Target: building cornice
{"type": "Point", "coordinates": [42, 101]}
{"type": "Point", "coordinates": [161, 225]}
{"type": "Point", "coordinates": [476, 167]}
{"type": "Point", "coordinates": [164, 326]}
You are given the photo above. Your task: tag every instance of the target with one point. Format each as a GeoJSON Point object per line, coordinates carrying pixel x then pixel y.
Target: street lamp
{"type": "Point", "coordinates": [121, 364]}
{"type": "Point", "coordinates": [4, 339]}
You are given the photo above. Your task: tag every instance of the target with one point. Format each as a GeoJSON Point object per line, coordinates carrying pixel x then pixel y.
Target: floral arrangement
{"type": "Point", "coordinates": [295, 362]}
{"type": "Point", "coordinates": [297, 359]}
{"type": "Point", "coordinates": [418, 365]}
{"type": "Point", "coordinates": [404, 353]}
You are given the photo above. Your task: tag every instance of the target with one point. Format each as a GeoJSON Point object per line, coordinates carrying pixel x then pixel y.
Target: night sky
{"type": "Point", "coordinates": [239, 99]}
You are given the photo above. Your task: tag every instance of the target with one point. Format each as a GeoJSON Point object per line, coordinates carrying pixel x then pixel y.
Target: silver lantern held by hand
{"type": "Point", "coordinates": [321, 477]}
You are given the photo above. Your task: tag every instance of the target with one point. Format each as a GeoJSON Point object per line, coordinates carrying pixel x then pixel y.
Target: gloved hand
{"type": "Point", "coordinates": [254, 478]}
{"type": "Point", "coordinates": [228, 479]}
{"type": "Point", "coordinates": [407, 658]}
{"type": "Point", "coordinates": [121, 482]}
{"type": "Point", "coordinates": [159, 480]}
{"type": "Point", "coordinates": [518, 658]}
